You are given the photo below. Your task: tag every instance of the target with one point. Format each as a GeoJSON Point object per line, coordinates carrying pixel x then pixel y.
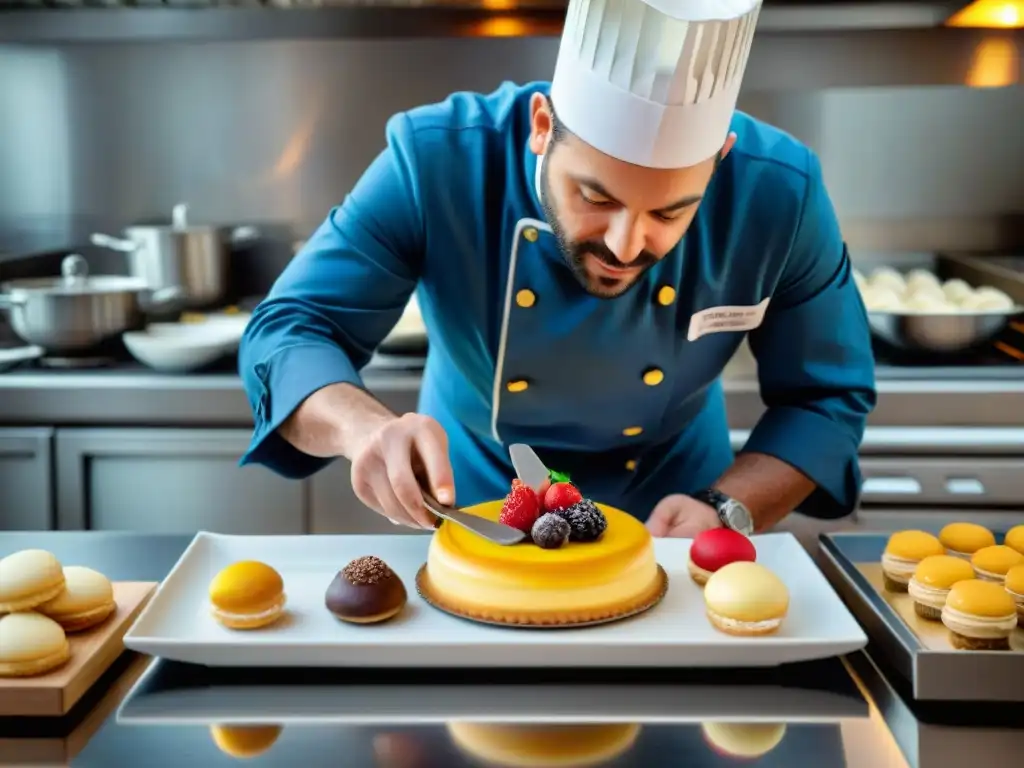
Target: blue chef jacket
{"type": "Point", "coordinates": [610, 391]}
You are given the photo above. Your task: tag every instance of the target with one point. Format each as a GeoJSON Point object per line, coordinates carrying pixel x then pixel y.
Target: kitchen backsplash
{"type": "Point", "coordinates": [279, 131]}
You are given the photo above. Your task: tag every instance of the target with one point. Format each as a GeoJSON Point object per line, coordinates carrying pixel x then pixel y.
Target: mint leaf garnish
{"type": "Point", "coordinates": [559, 477]}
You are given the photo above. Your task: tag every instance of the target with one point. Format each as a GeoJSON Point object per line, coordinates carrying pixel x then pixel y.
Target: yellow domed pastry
{"type": "Point", "coordinates": [544, 746]}
{"type": "Point", "coordinates": [746, 741]}
{"type": "Point", "coordinates": [992, 563]}
{"type": "Point", "coordinates": [902, 554]}
{"type": "Point", "coordinates": [964, 539]}
{"type": "Point", "coordinates": [980, 615]}
{"type": "Point", "coordinates": [745, 599]}
{"type": "Point", "coordinates": [247, 595]}
{"type": "Point", "coordinates": [1014, 586]}
{"type": "Point", "coordinates": [577, 583]}
{"type": "Point", "coordinates": [933, 579]}
{"type": "Point", "coordinates": [1015, 538]}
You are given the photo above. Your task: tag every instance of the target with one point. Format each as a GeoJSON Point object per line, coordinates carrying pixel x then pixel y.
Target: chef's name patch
{"type": "Point", "coordinates": [722, 319]}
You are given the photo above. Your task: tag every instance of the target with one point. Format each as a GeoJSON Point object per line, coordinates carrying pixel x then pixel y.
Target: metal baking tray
{"type": "Point", "coordinates": [917, 649]}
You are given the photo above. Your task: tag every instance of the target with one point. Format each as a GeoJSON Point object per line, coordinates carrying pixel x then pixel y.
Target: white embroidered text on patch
{"type": "Point", "coordinates": [722, 319]}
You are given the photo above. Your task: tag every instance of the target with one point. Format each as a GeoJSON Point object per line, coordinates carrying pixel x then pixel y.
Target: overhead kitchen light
{"type": "Point", "coordinates": [990, 14]}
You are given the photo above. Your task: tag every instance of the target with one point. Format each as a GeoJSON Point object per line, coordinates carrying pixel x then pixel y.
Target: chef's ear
{"type": "Point", "coordinates": [730, 142]}
{"type": "Point", "coordinates": [541, 124]}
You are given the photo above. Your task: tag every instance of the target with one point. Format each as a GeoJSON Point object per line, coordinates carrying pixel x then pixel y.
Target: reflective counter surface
{"type": "Point", "coordinates": [153, 714]}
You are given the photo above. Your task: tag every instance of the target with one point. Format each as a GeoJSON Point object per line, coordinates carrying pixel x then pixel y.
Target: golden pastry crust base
{"type": "Point", "coordinates": [561, 619]}
{"type": "Point", "coordinates": [377, 618]}
{"type": "Point", "coordinates": [892, 585]}
{"type": "Point", "coordinates": [927, 611]}
{"type": "Point", "coordinates": [35, 667]}
{"type": "Point", "coordinates": [723, 625]}
{"type": "Point", "coordinates": [237, 622]}
{"type": "Point", "coordinates": [964, 643]}
{"type": "Point", "coordinates": [28, 603]}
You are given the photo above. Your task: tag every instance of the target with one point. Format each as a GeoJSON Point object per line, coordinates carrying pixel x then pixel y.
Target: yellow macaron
{"type": "Point", "coordinates": [247, 595]}
{"type": "Point", "coordinates": [992, 563]}
{"type": "Point", "coordinates": [87, 600]}
{"type": "Point", "coordinates": [31, 644]}
{"type": "Point", "coordinates": [980, 616]}
{"type": "Point", "coordinates": [29, 578]}
{"type": "Point", "coordinates": [745, 598]}
{"type": "Point", "coordinates": [1014, 586]}
{"type": "Point", "coordinates": [932, 581]}
{"type": "Point", "coordinates": [903, 551]}
{"type": "Point", "coordinates": [1015, 538]}
{"type": "Point", "coordinates": [244, 741]}
{"type": "Point", "coordinates": [964, 539]}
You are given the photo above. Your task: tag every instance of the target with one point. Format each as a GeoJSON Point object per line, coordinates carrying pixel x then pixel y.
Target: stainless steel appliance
{"type": "Point", "coordinates": [192, 257]}
{"type": "Point", "coordinates": [75, 311]}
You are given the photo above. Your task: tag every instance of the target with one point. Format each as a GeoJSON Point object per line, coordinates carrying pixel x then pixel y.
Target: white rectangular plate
{"type": "Point", "coordinates": [177, 623]}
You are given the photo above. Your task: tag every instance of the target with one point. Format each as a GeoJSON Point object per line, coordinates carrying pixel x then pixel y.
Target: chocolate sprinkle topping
{"type": "Point", "coordinates": [366, 570]}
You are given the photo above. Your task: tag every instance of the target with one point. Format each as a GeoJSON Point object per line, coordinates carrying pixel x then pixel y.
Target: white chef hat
{"type": "Point", "coordinates": [653, 82]}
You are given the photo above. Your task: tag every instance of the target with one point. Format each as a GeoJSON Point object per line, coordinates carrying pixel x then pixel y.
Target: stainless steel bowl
{"type": "Point", "coordinates": [926, 332]}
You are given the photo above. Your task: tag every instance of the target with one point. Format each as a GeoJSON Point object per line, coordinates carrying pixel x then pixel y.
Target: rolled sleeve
{"type": "Point", "coordinates": [815, 363]}
{"type": "Point", "coordinates": [335, 302]}
{"type": "Point", "coordinates": [275, 392]}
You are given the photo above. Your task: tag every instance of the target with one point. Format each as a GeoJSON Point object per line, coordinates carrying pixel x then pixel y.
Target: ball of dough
{"type": "Point", "coordinates": [929, 303]}
{"type": "Point", "coordinates": [887, 277]}
{"type": "Point", "coordinates": [956, 290]}
{"type": "Point", "coordinates": [987, 300]}
{"type": "Point", "coordinates": [931, 290]}
{"type": "Point", "coordinates": [921, 280]}
{"type": "Point", "coordinates": [881, 299]}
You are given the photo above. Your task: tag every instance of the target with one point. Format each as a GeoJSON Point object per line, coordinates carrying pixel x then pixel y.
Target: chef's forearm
{"type": "Point", "coordinates": [768, 487]}
{"type": "Point", "coordinates": [335, 421]}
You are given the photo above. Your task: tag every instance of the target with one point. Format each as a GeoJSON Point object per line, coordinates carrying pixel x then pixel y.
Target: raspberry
{"type": "Point", "coordinates": [586, 521]}
{"type": "Point", "coordinates": [550, 531]}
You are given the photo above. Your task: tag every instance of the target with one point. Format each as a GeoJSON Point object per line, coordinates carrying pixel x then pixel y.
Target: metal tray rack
{"type": "Point", "coordinates": [916, 649]}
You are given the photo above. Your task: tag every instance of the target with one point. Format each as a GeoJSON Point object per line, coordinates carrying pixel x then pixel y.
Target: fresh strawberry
{"type": "Point", "coordinates": [561, 496]}
{"type": "Point", "coordinates": [520, 509]}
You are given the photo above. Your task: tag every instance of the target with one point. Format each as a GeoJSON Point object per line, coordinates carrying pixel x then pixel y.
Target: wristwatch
{"type": "Point", "coordinates": [731, 512]}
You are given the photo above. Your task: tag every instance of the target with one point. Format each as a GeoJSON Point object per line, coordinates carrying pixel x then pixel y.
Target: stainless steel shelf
{"type": "Point", "coordinates": [77, 21]}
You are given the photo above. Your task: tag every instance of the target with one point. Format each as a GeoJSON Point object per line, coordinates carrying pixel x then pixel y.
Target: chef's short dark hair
{"type": "Point", "coordinates": [559, 132]}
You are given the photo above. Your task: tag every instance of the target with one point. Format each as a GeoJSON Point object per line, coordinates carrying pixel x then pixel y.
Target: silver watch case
{"type": "Point", "coordinates": [734, 515]}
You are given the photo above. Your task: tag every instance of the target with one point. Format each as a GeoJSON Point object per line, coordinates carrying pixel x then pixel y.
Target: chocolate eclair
{"type": "Point", "coordinates": [366, 591]}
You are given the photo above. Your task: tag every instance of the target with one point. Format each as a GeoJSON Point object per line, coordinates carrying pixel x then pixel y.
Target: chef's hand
{"type": "Point", "coordinates": [389, 463]}
{"type": "Point", "coordinates": [681, 517]}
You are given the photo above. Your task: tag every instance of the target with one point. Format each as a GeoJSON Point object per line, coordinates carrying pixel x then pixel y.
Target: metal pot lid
{"type": "Point", "coordinates": [75, 279]}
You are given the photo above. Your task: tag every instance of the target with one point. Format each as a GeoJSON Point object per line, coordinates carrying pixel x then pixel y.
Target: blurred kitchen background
{"type": "Point", "coordinates": [250, 121]}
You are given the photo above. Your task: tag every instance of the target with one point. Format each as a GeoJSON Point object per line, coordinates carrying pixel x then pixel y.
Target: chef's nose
{"type": "Point", "coordinates": [625, 237]}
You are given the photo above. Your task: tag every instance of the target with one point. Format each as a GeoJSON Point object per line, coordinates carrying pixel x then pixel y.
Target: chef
{"type": "Point", "coordinates": [587, 254]}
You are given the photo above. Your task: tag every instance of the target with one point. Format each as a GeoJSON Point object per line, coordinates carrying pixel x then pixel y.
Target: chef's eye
{"type": "Point", "coordinates": [593, 199]}
{"type": "Point", "coordinates": [668, 218]}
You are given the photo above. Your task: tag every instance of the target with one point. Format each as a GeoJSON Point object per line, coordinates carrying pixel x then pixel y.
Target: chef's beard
{"type": "Point", "coordinates": [575, 251]}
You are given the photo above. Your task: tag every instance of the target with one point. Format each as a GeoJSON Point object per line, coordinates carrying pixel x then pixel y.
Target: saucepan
{"type": "Point", "coordinates": [194, 258]}
{"type": "Point", "coordinates": [75, 312]}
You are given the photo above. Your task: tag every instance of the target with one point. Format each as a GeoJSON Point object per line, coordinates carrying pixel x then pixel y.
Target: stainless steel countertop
{"type": "Point", "coordinates": [142, 397]}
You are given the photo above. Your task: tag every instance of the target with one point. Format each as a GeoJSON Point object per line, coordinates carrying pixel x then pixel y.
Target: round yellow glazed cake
{"type": "Point", "coordinates": [579, 583]}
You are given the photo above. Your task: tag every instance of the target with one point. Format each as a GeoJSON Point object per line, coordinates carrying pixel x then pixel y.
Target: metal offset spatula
{"type": "Point", "coordinates": [529, 468]}
{"type": "Point", "coordinates": [499, 533]}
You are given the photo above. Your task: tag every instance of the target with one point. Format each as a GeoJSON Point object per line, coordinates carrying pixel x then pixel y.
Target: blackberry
{"type": "Point", "coordinates": [550, 531]}
{"type": "Point", "coordinates": [586, 521]}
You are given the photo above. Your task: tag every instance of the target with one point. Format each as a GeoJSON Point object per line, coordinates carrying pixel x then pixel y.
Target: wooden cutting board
{"type": "Point", "coordinates": [92, 653]}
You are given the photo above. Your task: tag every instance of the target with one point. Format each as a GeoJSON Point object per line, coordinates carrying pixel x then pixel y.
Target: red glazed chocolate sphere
{"type": "Point", "coordinates": [718, 547]}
